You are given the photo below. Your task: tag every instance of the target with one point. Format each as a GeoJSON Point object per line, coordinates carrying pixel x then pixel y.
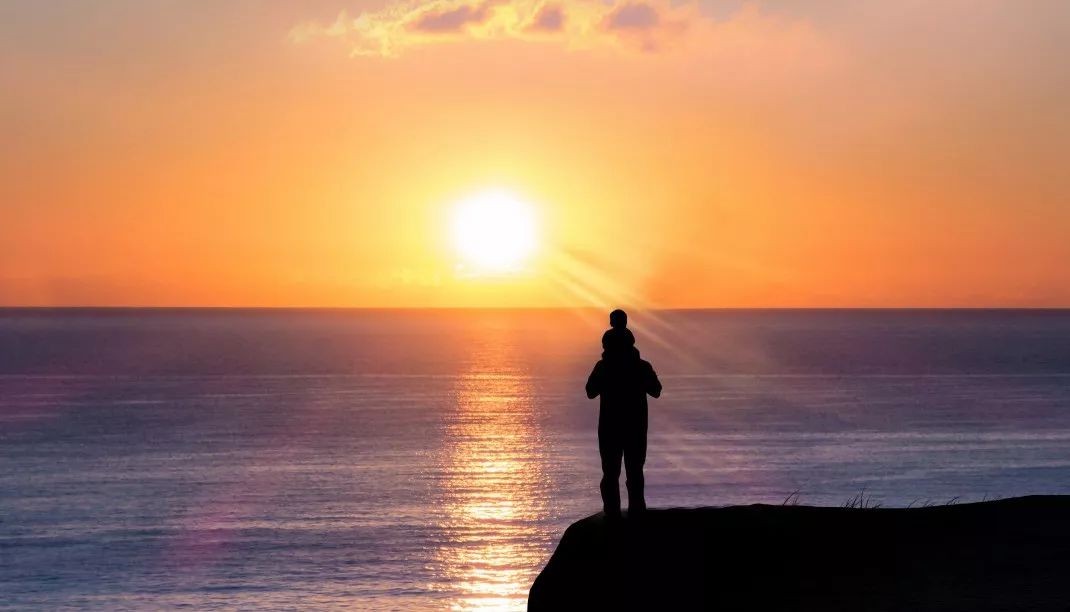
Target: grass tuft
{"type": "Point", "coordinates": [862, 501]}
{"type": "Point", "coordinates": [867, 501]}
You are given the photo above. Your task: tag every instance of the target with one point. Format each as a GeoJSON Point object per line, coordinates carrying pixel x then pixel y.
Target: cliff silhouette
{"type": "Point", "coordinates": [1003, 555]}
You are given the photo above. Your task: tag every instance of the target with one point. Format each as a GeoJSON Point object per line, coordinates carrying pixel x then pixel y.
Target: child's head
{"type": "Point", "coordinates": [618, 319]}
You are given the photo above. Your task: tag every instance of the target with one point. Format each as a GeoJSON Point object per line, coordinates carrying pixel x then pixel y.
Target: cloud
{"type": "Point", "coordinates": [453, 19]}
{"type": "Point", "coordinates": [632, 17]}
{"type": "Point", "coordinates": [649, 27]}
{"type": "Point", "coordinates": [550, 18]}
{"type": "Point", "coordinates": [646, 25]}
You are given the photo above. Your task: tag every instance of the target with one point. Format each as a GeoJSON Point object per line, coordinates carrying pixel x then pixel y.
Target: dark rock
{"type": "Point", "coordinates": [1003, 555]}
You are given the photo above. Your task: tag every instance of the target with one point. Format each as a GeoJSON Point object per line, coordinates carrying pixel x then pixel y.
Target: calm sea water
{"type": "Point", "coordinates": [431, 460]}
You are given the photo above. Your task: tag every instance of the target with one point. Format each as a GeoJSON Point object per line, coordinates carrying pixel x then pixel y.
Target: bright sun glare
{"type": "Point", "coordinates": [494, 231]}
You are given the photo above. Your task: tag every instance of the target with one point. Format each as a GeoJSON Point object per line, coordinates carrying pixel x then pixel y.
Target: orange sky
{"type": "Point", "coordinates": [718, 154]}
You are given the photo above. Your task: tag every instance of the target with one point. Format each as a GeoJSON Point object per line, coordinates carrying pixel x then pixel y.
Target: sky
{"type": "Point", "coordinates": [822, 153]}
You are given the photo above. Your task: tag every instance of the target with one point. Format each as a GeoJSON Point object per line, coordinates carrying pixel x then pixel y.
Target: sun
{"type": "Point", "coordinates": [494, 232]}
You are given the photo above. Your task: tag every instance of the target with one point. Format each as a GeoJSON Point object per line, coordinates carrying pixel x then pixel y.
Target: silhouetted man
{"type": "Point", "coordinates": [623, 381]}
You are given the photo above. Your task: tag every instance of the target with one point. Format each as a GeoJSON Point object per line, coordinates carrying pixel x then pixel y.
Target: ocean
{"type": "Point", "coordinates": [431, 459]}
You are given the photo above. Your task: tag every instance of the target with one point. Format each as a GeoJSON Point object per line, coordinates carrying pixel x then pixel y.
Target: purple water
{"type": "Point", "coordinates": [431, 459]}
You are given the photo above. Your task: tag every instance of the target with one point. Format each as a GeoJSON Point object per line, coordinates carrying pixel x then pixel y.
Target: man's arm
{"type": "Point", "coordinates": [653, 385]}
{"type": "Point", "coordinates": [594, 381]}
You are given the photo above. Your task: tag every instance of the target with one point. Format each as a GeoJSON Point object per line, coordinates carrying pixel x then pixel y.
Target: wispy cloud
{"type": "Point", "coordinates": [647, 25]}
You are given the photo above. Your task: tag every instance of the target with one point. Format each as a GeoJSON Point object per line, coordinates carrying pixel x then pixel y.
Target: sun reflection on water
{"type": "Point", "coordinates": [494, 491]}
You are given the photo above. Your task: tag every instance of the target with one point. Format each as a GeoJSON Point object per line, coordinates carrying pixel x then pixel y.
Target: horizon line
{"type": "Point", "coordinates": [521, 308]}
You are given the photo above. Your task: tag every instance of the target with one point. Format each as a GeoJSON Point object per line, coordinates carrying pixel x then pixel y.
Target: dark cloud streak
{"type": "Point", "coordinates": [550, 18]}
{"type": "Point", "coordinates": [633, 17]}
{"type": "Point", "coordinates": [454, 20]}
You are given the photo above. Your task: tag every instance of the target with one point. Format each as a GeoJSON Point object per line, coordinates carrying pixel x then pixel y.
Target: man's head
{"type": "Point", "coordinates": [618, 319]}
{"type": "Point", "coordinates": [617, 339]}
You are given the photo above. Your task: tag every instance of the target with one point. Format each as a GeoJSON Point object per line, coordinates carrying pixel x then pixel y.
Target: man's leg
{"type": "Point", "coordinates": [610, 448]}
{"type": "Point", "coordinates": [634, 458]}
